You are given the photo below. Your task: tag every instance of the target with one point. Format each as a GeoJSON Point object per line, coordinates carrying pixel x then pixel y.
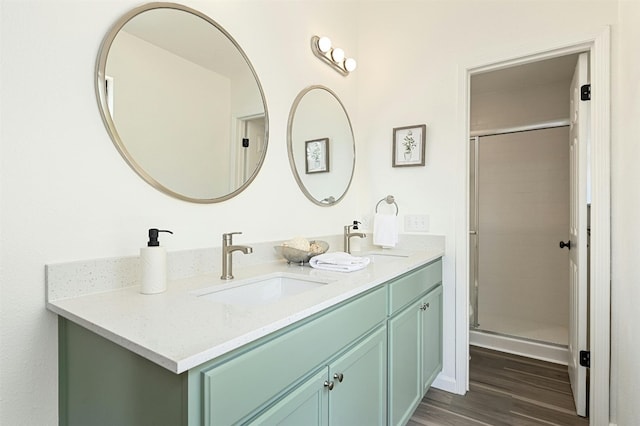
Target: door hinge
{"type": "Point", "coordinates": [245, 142]}
{"type": "Point", "coordinates": [585, 92]}
{"type": "Point", "coordinates": [585, 359]}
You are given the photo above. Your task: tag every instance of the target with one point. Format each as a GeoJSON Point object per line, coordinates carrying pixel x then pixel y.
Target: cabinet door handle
{"type": "Point", "coordinates": [339, 377]}
{"type": "Point", "coordinates": [328, 385]}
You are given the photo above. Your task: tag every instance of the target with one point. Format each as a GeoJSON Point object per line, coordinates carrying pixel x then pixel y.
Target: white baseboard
{"type": "Point", "coordinates": [445, 383]}
{"type": "Point", "coordinates": [557, 354]}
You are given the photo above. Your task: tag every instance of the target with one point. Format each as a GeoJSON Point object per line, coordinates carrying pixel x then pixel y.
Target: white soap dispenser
{"type": "Point", "coordinates": [153, 265]}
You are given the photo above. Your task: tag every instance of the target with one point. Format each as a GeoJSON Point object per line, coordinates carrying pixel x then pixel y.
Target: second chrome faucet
{"type": "Point", "coordinates": [227, 250]}
{"type": "Point", "coordinates": [348, 234]}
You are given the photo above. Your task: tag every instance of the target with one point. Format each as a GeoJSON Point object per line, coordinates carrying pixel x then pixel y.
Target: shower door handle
{"type": "Point", "coordinates": [567, 244]}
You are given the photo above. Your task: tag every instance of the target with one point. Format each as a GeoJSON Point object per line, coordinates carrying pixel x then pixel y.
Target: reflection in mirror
{"type": "Point", "coordinates": [321, 145]}
{"type": "Point", "coordinates": [182, 103]}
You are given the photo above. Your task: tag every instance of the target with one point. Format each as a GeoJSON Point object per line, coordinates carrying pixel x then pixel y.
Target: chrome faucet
{"type": "Point", "coordinates": [348, 234]}
{"type": "Point", "coordinates": [227, 250]}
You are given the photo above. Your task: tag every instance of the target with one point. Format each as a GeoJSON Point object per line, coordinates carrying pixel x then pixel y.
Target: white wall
{"type": "Point", "coordinates": [520, 106]}
{"type": "Point", "coordinates": [625, 211]}
{"type": "Point", "coordinates": [67, 194]}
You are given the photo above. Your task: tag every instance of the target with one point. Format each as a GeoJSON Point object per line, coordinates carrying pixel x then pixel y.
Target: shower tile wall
{"type": "Point", "coordinates": [524, 193]}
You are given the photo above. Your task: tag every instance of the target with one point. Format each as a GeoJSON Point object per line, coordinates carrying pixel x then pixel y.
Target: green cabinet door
{"type": "Point", "coordinates": [359, 394]}
{"type": "Point", "coordinates": [405, 386]}
{"type": "Point", "coordinates": [352, 390]}
{"type": "Point", "coordinates": [431, 337]}
{"type": "Point", "coordinates": [307, 404]}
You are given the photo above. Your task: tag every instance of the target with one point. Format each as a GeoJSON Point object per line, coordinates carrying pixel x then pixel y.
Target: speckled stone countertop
{"type": "Point", "coordinates": [178, 330]}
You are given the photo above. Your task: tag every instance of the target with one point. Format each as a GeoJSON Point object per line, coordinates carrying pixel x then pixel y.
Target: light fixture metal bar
{"type": "Point", "coordinates": [326, 57]}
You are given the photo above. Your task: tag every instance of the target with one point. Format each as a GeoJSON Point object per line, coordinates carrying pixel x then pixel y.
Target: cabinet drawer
{"type": "Point", "coordinates": [236, 388]}
{"type": "Point", "coordinates": [408, 287]}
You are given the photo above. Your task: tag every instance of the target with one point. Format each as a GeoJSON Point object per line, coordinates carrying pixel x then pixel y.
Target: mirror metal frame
{"type": "Point", "coordinates": [100, 90]}
{"type": "Point", "coordinates": [292, 163]}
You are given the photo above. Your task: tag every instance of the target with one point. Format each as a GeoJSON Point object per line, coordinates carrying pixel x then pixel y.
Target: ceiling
{"type": "Point", "coordinates": [191, 37]}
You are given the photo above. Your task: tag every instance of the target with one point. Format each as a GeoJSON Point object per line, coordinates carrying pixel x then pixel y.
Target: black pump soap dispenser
{"type": "Point", "coordinates": [153, 264]}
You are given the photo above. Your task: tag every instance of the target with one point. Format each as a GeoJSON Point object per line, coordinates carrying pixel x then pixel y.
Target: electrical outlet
{"type": "Point", "coordinates": [416, 223]}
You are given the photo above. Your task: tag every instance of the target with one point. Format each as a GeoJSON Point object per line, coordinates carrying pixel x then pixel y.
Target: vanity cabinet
{"type": "Point", "coordinates": [364, 361]}
{"type": "Point", "coordinates": [415, 339]}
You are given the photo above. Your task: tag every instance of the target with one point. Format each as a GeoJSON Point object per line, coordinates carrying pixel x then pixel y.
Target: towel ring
{"type": "Point", "coordinates": [390, 200]}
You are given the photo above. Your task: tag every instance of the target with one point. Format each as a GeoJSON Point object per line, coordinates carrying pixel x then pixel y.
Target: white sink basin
{"type": "Point", "coordinates": [262, 290]}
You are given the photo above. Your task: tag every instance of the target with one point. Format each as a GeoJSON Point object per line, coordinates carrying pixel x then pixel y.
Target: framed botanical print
{"type": "Point", "coordinates": [409, 145]}
{"type": "Point", "coordinates": [317, 156]}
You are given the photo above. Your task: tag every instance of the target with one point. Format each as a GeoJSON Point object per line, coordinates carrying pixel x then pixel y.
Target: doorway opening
{"type": "Point", "coordinates": [519, 202]}
{"type": "Point", "coordinates": [246, 154]}
{"type": "Point", "coordinates": [523, 185]}
{"type": "Point", "coordinates": [597, 44]}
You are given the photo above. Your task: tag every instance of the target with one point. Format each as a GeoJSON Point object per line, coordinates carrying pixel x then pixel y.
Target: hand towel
{"type": "Point", "coordinates": [385, 230]}
{"type": "Point", "coordinates": [339, 261]}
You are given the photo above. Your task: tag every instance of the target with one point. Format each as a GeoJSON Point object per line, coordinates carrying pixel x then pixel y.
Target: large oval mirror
{"type": "Point", "coordinates": [321, 145]}
{"type": "Point", "coordinates": [182, 103]}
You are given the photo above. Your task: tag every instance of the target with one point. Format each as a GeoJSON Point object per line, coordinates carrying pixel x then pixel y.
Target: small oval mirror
{"type": "Point", "coordinates": [321, 146]}
{"type": "Point", "coordinates": [182, 103]}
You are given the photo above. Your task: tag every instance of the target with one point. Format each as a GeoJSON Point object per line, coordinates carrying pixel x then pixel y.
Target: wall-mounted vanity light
{"type": "Point", "coordinates": [334, 56]}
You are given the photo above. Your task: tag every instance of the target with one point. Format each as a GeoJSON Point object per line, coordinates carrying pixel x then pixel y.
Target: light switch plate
{"type": "Point", "coordinates": [416, 223]}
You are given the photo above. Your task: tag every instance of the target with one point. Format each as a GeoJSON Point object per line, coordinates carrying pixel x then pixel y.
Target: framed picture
{"type": "Point", "coordinates": [317, 156]}
{"type": "Point", "coordinates": [409, 145]}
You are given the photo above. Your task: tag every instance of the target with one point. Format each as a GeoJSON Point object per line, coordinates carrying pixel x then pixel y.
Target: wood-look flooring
{"type": "Point", "coordinates": [505, 390]}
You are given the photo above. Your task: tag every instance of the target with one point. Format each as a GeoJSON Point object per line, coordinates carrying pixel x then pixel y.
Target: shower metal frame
{"type": "Point", "coordinates": [474, 220]}
{"type": "Point", "coordinates": [473, 233]}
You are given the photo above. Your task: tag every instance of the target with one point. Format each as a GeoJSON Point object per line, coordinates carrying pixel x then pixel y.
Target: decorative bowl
{"type": "Point", "coordinates": [294, 255]}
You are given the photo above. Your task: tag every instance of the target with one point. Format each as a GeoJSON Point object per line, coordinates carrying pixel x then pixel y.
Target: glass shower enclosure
{"type": "Point", "coordinates": [518, 211]}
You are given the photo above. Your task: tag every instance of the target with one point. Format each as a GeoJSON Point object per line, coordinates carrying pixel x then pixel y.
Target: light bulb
{"type": "Point", "coordinates": [350, 64]}
{"type": "Point", "coordinates": [324, 44]}
{"type": "Point", "coordinates": [337, 55]}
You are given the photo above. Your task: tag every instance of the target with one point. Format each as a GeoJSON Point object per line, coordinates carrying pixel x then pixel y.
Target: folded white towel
{"type": "Point", "coordinates": [385, 230]}
{"type": "Point", "coordinates": [339, 261]}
